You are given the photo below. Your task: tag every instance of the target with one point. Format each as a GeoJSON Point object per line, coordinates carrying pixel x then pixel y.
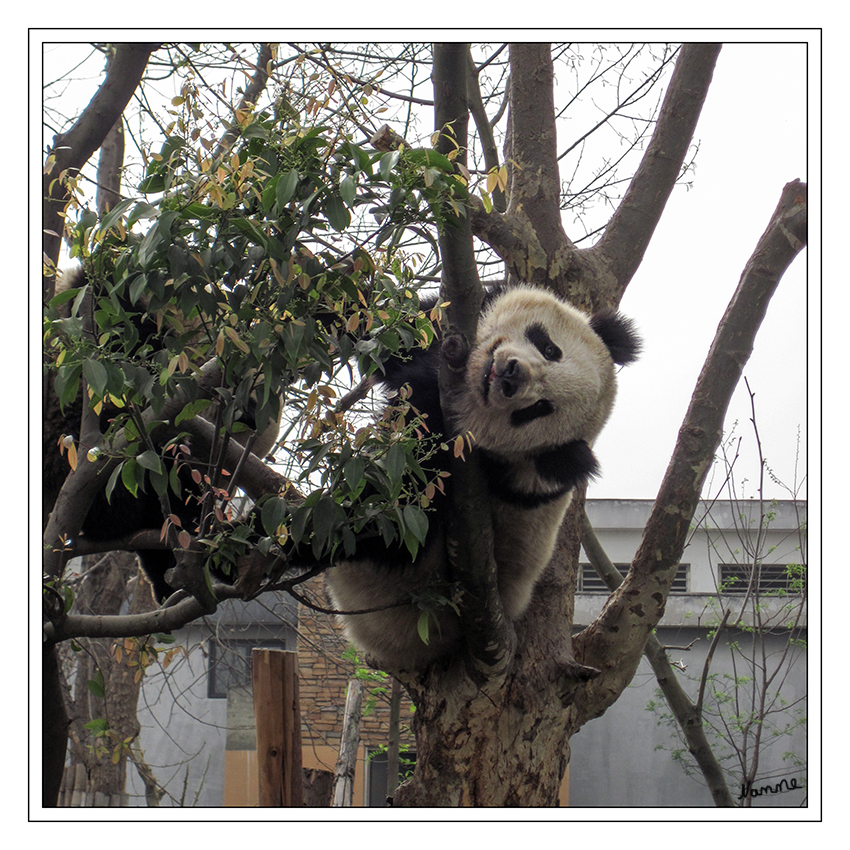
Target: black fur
{"type": "Point", "coordinates": [619, 335]}
{"type": "Point", "coordinates": [569, 466]}
{"type": "Point", "coordinates": [540, 408]}
{"type": "Point", "coordinates": [538, 336]}
{"type": "Point", "coordinates": [563, 467]}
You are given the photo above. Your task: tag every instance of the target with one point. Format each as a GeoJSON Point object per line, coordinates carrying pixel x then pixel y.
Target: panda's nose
{"type": "Point", "coordinates": [511, 377]}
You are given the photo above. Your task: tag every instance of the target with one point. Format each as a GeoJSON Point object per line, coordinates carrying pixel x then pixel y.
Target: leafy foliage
{"type": "Point", "coordinates": [278, 259]}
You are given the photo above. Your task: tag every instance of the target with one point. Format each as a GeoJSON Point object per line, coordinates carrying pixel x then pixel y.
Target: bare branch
{"type": "Point", "coordinates": [632, 225]}
{"type": "Point", "coordinates": [72, 150]}
{"type": "Point", "coordinates": [133, 625]}
{"type": "Point", "coordinates": [249, 98]}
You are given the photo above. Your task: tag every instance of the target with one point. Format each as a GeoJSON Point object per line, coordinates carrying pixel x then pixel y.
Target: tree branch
{"type": "Point", "coordinates": [688, 715]}
{"type": "Point", "coordinates": [615, 640]}
{"type": "Point", "coordinates": [133, 625]}
{"type": "Point", "coordinates": [489, 635]}
{"type": "Point", "coordinates": [485, 130]}
{"type": "Point", "coordinates": [631, 227]}
{"type": "Point", "coordinates": [249, 98]}
{"type": "Point", "coordinates": [72, 150]}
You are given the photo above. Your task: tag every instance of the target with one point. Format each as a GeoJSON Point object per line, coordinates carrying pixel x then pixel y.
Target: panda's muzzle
{"type": "Point", "coordinates": [509, 375]}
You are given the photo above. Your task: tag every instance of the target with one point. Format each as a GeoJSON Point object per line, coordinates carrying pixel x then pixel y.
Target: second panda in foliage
{"type": "Point", "coordinates": [539, 387]}
{"type": "Point", "coordinates": [122, 514]}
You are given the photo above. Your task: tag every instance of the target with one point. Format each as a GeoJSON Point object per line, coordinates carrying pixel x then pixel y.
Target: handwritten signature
{"type": "Point", "coordinates": [780, 787]}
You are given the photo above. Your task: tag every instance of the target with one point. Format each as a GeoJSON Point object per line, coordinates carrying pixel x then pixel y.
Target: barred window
{"type": "Point", "coordinates": [589, 581]}
{"type": "Point", "coordinates": [230, 664]}
{"type": "Point", "coordinates": [770, 579]}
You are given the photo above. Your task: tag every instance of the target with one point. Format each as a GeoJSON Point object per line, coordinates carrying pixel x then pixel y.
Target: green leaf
{"type": "Point", "coordinates": [430, 158]}
{"type": "Point", "coordinates": [348, 189]}
{"type": "Point", "coordinates": [150, 460]}
{"type": "Point", "coordinates": [67, 383]}
{"type": "Point", "coordinates": [337, 213]}
{"type": "Point", "coordinates": [64, 297]}
{"type": "Point", "coordinates": [152, 184]}
{"type": "Point", "coordinates": [159, 479]}
{"type": "Point", "coordinates": [113, 480]}
{"type": "Point", "coordinates": [394, 463]}
{"type": "Point", "coordinates": [115, 214]}
{"type": "Point", "coordinates": [96, 376]}
{"type": "Point", "coordinates": [142, 210]}
{"type": "Point", "coordinates": [98, 726]}
{"type": "Point", "coordinates": [286, 187]}
{"type": "Point", "coordinates": [95, 685]}
{"type": "Point", "coordinates": [273, 514]}
{"type": "Point", "coordinates": [422, 626]}
{"type": "Point", "coordinates": [191, 410]}
{"type": "Point", "coordinates": [354, 472]}
{"type": "Point", "coordinates": [327, 517]}
{"type": "Point", "coordinates": [150, 243]}
{"type": "Point", "coordinates": [416, 522]}
{"type": "Point", "coordinates": [388, 163]}
{"type": "Point", "coordinates": [128, 475]}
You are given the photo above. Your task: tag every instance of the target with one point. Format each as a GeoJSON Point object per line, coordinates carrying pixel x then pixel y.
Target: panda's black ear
{"type": "Point", "coordinates": [619, 335]}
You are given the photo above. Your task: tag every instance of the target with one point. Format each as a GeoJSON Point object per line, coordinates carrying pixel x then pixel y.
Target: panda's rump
{"type": "Point", "coordinates": [392, 633]}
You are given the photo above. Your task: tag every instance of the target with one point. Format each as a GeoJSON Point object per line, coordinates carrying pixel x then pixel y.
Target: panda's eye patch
{"type": "Point", "coordinates": [536, 334]}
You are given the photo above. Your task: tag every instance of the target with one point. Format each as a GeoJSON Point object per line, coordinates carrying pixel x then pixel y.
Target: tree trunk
{"type": "Point", "coordinates": [504, 740]}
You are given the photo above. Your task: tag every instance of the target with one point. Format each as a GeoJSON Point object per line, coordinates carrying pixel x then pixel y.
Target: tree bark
{"type": "Point", "coordinates": [72, 150]}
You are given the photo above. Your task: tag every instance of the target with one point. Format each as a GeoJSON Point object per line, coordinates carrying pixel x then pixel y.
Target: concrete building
{"type": "Point", "coordinates": [631, 755]}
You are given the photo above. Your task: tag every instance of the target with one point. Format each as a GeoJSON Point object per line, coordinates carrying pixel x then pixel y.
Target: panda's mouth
{"type": "Point", "coordinates": [542, 407]}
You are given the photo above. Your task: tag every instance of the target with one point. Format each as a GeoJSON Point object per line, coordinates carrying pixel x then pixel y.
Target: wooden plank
{"type": "Point", "coordinates": [278, 718]}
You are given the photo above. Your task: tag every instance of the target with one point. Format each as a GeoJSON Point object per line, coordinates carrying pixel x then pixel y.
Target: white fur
{"type": "Point", "coordinates": [581, 387]}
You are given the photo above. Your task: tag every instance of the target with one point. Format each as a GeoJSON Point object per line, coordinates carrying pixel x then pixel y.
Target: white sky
{"type": "Point", "coordinates": [753, 140]}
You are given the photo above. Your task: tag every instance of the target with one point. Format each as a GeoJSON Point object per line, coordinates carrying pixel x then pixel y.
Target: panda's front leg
{"type": "Point", "coordinates": [524, 540]}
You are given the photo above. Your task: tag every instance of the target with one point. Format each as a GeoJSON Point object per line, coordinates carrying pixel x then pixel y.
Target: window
{"type": "Point", "coordinates": [589, 581]}
{"type": "Point", "coordinates": [230, 665]}
{"type": "Point", "coordinates": [771, 579]}
{"type": "Point", "coordinates": [376, 774]}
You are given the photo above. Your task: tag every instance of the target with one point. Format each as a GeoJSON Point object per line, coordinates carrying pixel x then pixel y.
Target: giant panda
{"type": "Point", "coordinates": [539, 386]}
{"type": "Point", "coordinates": [123, 514]}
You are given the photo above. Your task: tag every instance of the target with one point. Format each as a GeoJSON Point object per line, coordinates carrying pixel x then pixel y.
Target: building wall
{"type": "Point", "coordinates": [626, 757]}
{"type": "Point", "coordinates": [325, 675]}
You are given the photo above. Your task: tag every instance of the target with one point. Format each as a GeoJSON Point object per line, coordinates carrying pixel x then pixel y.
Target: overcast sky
{"type": "Point", "coordinates": [753, 140]}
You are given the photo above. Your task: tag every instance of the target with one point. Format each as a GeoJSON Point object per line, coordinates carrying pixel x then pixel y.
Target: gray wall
{"type": "Point", "coordinates": [617, 760]}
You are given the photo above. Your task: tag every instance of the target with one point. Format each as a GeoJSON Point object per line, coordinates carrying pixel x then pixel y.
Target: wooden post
{"type": "Point", "coordinates": [278, 719]}
{"type": "Point", "coordinates": [394, 738]}
{"type": "Point", "coordinates": [348, 746]}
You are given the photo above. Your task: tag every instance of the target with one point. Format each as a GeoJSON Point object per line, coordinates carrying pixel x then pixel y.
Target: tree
{"type": "Point", "coordinates": [760, 615]}
{"type": "Point", "coordinates": [288, 201]}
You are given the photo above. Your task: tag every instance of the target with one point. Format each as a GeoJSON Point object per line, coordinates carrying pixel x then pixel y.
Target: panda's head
{"type": "Point", "coordinates": [541, 372]}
